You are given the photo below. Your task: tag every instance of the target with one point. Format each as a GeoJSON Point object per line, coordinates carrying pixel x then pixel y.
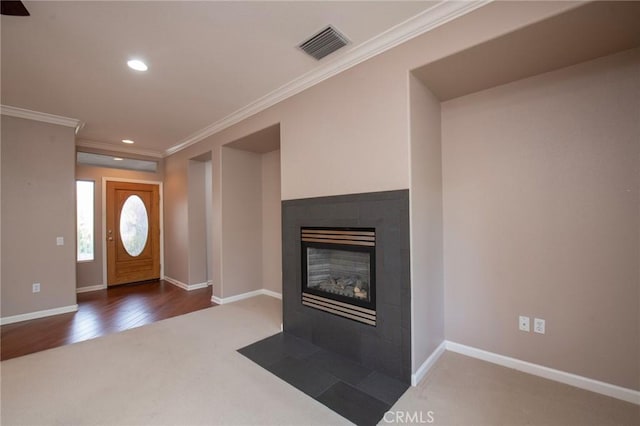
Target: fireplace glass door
{"type": "Point", "coordinates": [339, 264]}
{"type": "Point", "coordinates": [343, 273]}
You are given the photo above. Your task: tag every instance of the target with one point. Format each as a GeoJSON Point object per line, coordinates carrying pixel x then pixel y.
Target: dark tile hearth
{"type": "Point", "coordinates": [357, 393]}
{"type": "Point", "coordinates": [347, 370]}
{"type": "Point", "coordinates": [299, 373]}
{"type": "Point", "coordinates": [382, 387]}
{"type": "Point", "coordinates": [353, 404]}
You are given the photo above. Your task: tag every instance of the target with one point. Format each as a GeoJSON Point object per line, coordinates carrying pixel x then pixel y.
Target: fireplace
{"type": "Point", "coordinates": [338, 271]}
{"type": "Point", "coordinates": [377, 336]}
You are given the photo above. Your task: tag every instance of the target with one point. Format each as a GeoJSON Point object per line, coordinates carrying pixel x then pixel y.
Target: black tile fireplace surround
{"type": "Point", "coordinates": [386, 346]}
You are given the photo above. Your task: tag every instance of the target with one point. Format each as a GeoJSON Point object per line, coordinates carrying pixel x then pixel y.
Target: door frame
{"type": "Point", "coordinates": [106, 179]}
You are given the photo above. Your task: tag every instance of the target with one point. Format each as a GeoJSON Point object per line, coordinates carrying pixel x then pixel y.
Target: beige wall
{"type": "Point", "coordinates": [271, 223]}
{"type": "Point", "coordinates": [91, 273]}
{"type": "Point", "coordinates": [208, 211]}
{"type": "Point", "coordinates": [0, 218]}
{"type": "Point", "coordinates": [197, 223]}
{"type": "Point", "coordinates": [427, 283]}
{"type": "Point", "coordinates": [350, 133]}
{"type": "Point", "coordinates": [541, 191]}
{"type": "Point", "coordinates": [38, 205]}
{"type": "Point", "coordinates": [251, 218]}
{"type": "Point", "coordinates": [346, 135]}
{"type": "Point", "coordinates": [242, 222]}
{"type": "Point", "coordinates": [176, 215]}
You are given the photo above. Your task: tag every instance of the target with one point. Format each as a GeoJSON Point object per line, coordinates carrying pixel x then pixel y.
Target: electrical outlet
{"type": "Point", "coordinates": [60, 241]}
{"type": "Point", "coordinates": [538, 325]}
{"type": "Point", "coordinates": [35, 287]}
{"type": "Point", "coordinates": [523, 323]}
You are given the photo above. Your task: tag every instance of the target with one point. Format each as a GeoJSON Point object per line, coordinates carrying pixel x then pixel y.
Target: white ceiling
{"type": "Point", "coordinates": [206, 60]}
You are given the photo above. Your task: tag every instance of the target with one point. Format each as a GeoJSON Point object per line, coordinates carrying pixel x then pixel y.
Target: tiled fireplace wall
{"type": "Point", "coordinates": [387, 346]}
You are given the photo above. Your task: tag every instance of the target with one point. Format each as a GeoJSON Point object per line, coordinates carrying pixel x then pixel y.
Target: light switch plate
{"type": "Point", "coordinates": [59, 241]}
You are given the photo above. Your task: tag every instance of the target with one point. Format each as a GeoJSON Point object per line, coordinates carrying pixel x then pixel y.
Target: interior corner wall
{"type": "Point", "coordinates": [271, 223]}
{"type": "Point", "coordinates": [0, 219]}
{"type": "Point", "coordinates": [176, 215]}
{"type": "Point", "coordinates": [427, 282]}
{"type": "Point", "coordinates": [90, 273]}
{"type": "Point", "coordinates": [216, 221]}
{"type": "Point", "coordinates": [242, 222]}
{"type": "Point", "coordinates": [208, 211]}
{"type": "Point", "coordinates": [197, 223]}
{"type": "Point", "coordinates": [541, 207]}
{"type": "Point", "coordinates": [38, 205]}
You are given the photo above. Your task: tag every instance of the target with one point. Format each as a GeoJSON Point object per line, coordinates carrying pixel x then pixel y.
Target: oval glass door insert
{"type": "Point", "coordinates": [134, 225]}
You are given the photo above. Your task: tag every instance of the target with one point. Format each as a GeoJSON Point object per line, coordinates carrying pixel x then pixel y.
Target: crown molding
{"type": "Point", "coordinates": [435, 16]}
{"type": "Point", "coordinates": [84, 143]}
{"type": "Point", "coordinates": [42, 116]}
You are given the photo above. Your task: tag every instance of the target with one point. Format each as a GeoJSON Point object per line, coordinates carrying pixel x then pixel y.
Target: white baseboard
{"type": "Point", "coordinates": [197, 286]}
{"type": "Point", "coordinates": [272, 293]}
{"type": "Point", "coordinates": [38, 314]}
{"type": "Point", "coordinates": [185, 286]}
{"type": "Point", "coordinates": [175, 282]}
{"type": "Point", "coordinates": [90, 288]}
{"type": "Point", "coordinates": [230, 299]}
{"type": "Point", "coordinates": [426, 366]}
{"type": "Point", "coordinates": [581, 382]}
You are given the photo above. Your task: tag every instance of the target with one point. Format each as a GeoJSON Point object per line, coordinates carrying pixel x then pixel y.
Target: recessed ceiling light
{"type": "Point", "coordinates": [137, 65]}
{"type": "Point", "coordinates": [117, 159]}
{"type": "Point", "coordinates": [127, 141]}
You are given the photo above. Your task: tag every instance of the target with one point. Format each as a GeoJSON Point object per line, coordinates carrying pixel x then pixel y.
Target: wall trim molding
{"type": "Point", "coordinates": [105, 146]}
{"type": "Point", "coordinates": [428, 364]}
{"type": "Point", "coordinates": [614, 391]}
{"type": "Point", "coordinates": [89, 288]}
{"type": "Point", "coordinates": [38, 314]}
{"type": "Point", "coordinates": [41, 116]}
{"type": "Point", "coordinates": [247, 295]}
{"type": "Point", "coordinates": [185, 286]}
{"type": "Point", "coordinates": [431, 18]}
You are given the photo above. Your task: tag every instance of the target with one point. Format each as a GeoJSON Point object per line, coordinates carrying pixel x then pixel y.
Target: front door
{"type": "Point", "coordinates": [133, 232]}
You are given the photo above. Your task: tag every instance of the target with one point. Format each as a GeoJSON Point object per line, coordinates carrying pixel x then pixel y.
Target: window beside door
{"type": "Point", "coordinates": [85, 220]}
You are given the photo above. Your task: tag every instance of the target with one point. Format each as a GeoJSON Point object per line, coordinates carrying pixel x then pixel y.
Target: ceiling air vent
{"type": "Point", "coordinates": [324, 43]}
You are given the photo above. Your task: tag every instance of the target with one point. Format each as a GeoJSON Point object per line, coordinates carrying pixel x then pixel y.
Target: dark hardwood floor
{"type": "Point", "coordinates": [102, 312]}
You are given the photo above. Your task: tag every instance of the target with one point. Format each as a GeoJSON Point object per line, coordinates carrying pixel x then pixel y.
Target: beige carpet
{"type": "Point", "coordinates": [186, 371]}
{"type": "Point", "coordinates": [465, 391]}
{"type": "Point", "coordinates": [180, 371]}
